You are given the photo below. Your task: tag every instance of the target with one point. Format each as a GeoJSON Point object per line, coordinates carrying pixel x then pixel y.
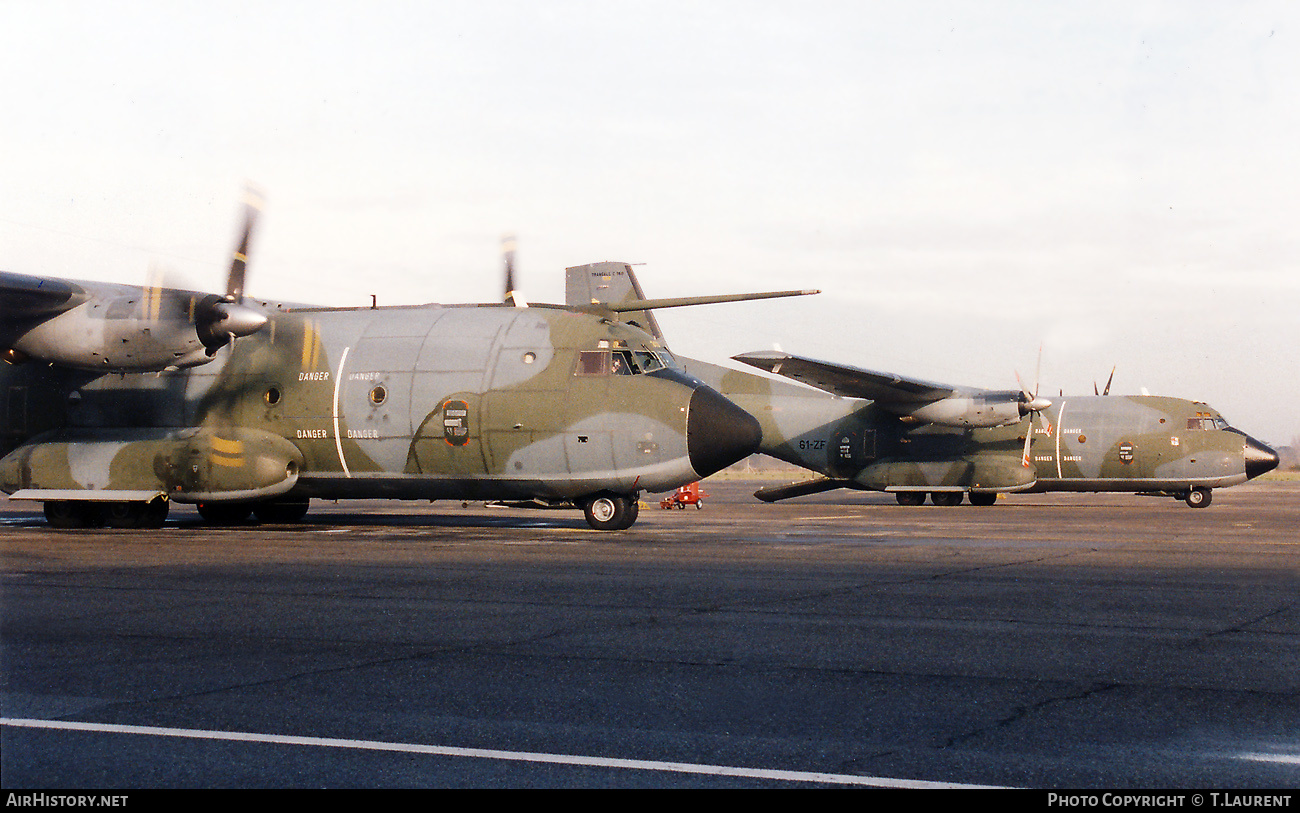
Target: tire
{"type": "Point", "coordinates": [611, 512]}
{"type": "Point", "coordinates": [73, 514]}
{"type": "Point", "coordinates": [985, 498]}
{"type": "Point", "coordinates": [224, 513]}
{"type": "Point", "coordinates": [946, 497]}
{"type": "Point", "coordinates": [910, 497]}
{"type": "Point", "coordinates": [139, 515]}
{"type": "Point", "coordinates": [282, 512]}
{"type": "Point", "coordinates": [1198, 498]}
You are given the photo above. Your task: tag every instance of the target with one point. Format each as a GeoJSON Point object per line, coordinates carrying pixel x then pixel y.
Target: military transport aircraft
{"type": "Point", "coordinates": [868, 430]}
{"type": "Point", "coordinates": [119, 400]}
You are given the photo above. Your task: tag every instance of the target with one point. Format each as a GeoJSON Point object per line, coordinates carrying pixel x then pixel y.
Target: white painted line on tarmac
{"type": "Point", "coordinates": [482, 753]}
{"type": "Point", "coordinates": [1281, 759]}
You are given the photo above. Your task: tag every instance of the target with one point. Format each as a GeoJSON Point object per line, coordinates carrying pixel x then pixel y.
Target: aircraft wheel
{"type": "Point", "coordinates": [282, 511]}
{"type": "Point", "coordinates": [983, 498]}
{"type": "Point", "coordinates": [1198, 497]}
{"type": "Point", "coordinates": [224, 513]}
{"type": "Point", "coordinates": [611, 512]}
{"type": "Point", "coordinates": [945, 497]}
{"type": "Point", "coordinates": [155, 513]}
{"type": "Point", "coordinates": [136, 514]}
{"type": "Point", "coordinates": [72, 514]}
{"type": "Point", "coordinates": [911, 497]}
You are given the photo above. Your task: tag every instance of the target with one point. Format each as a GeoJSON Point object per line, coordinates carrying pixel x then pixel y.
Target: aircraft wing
{"type": "Point", "coordinates": [24, 297]}
{"type": "Point", "coordinates": [848, 381]}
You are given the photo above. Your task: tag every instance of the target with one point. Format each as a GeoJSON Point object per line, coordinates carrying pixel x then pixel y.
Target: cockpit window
{"type": "Point", "coordinates": [1204, 421]}
{"type": "Point", "coordinates": [593, 362]}
{"type": "Point", "coordinates": [647, 362]}
{"type": "Point", "coordinates": [623, 362]}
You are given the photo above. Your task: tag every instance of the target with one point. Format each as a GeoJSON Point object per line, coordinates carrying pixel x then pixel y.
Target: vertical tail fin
{"type": "Point", "coordinates": [609, 283]}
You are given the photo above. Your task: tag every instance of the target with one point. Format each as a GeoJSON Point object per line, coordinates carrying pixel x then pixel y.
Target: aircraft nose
{"type": "Point", "coordinates": [1259, 458]}
{"type": "Point", "coordinates": [718, 433]}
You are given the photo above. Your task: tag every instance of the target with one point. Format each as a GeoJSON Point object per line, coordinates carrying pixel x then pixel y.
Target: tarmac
{"type": "Point", "coordinates": [1075, 641]}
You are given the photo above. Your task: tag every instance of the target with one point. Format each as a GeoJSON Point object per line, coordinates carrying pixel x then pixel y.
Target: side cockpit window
{"type": "Point", "coordinates": [593, 362]}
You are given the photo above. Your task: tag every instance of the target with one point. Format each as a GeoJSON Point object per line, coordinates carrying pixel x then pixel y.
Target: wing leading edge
{"type": "Point", "coordinates": [848, 381]}
{"type": "Point", "coordinates": [910, 398]}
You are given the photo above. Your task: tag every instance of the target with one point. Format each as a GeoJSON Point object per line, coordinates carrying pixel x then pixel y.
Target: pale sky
{"type": "Point", "coordinates": [1116, 182]}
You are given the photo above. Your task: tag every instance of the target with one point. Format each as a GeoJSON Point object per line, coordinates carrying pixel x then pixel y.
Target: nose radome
{"type": "Point", "coordinates": [1259, 458]}
{"type": "Point", "coordinates": [718, 433]}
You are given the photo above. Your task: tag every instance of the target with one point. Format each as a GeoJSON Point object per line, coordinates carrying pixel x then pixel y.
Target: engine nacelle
{"type": "Point", "coordinates": [134, 334]}
{"type": "Point", "coordinates": [976, 411]}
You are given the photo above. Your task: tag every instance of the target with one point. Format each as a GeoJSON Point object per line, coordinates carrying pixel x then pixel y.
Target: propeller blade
{"type": "Point", "coordinates": [220, 320]}
{"type": "Point", "coordinates": [512, 297]}
{"type": "Point", "coordinates": [239, 263]}
{"type": "Point", "coordinates": [1108, 380]}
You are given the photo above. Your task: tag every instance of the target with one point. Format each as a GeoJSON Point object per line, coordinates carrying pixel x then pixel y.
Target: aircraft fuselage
{"type": "Point", "coordinates": [429, 402]}
{"type": "Point", "coordinates": [1096, 443]}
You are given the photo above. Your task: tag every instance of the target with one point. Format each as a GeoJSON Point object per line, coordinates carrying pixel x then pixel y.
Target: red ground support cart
{"type": "Point", "coordinates": [688, 494]}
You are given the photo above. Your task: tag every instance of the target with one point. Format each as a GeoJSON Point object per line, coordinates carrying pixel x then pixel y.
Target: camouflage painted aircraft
{"type": "Point", "coordinates": [119, 400]}
{"type": "Point", "coordinates": [868, 430]}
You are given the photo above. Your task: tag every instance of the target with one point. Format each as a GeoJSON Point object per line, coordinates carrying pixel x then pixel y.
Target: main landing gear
{"type": "Point", "coordinates": [270, 512]}
{"type": "Point", "coordinates": [984, 498]}
{"type": "Point", "coordinates": [611, 512]}
{"type": "Point", "coordinates": [90, 514]}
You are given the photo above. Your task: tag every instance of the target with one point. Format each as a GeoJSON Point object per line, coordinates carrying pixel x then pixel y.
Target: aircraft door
{"type": "Point", "coordinates": [851, 449]}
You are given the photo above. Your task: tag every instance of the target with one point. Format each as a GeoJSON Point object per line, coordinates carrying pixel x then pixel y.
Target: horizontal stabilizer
{"type": "Point", "coordinates": [800, 489]}
{"type": "Point", "coordinates": [684, 301]}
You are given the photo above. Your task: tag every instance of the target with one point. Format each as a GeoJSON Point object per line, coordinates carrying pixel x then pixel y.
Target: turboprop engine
{"type": "Point", "coordinates": [125, 328]}
{"type": "Point", "coordinates": [971, 411]}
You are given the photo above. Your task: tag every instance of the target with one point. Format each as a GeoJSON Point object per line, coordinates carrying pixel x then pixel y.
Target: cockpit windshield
{"type": "Point", "coordinates": [1206, 421]}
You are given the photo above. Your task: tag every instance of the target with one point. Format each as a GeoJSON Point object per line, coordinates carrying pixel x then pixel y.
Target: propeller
{"type": "Point", "coordinates": [512, 297]}
{"type": "Point", "coordinates": [1029, 401]}
{"type": "Point", "coordinates": [218, 320]}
